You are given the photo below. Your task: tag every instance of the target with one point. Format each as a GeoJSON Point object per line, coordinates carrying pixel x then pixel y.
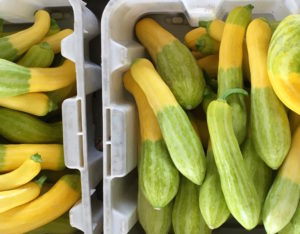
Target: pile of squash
{"type": "Point", "coordinates": [34, 81]}
{"type": "Point", "coordinates": [194, 97]}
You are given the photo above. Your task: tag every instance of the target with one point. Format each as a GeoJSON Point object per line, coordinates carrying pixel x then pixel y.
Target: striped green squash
{"type": "Point", "coordinates": [294, 226]}
{"type": "Point", "coordinates": [175, 63]}
{"type": "Point", "coordinates": [238, 188]}
{"type": "Point", "coordinates": [258, 171]}
{"type": "Point", "coordinates": [211, 199]}
{"type": "Point", "coordinates": [154, 221]}
{"type": "Point", "coordinates": [14, 45]}
{"type": "Point", "coordinates": [269, 122]}
{"type": "Point", "coordinates": [284, 195]}
{"type": "Point", "coordinates": [186, 216]}
{"type": "Point", "coordinates": [23, 128]}
{"type": "Point", "coordinates": [230, 73]}
{"type": "Point", "coordinates": [158, 177]}
{"type": "Point", "coordinates": [181, 139]}
{"type": "Point", "coordinates": [283, 62]}
{"type": "Point", "coordinates": [40, 55]}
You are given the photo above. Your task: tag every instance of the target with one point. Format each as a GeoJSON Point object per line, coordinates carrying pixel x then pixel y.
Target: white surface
{"type": "Point", "coordinates": [78, 128]}
{"type": "Point", "coordinates": [119, 48]}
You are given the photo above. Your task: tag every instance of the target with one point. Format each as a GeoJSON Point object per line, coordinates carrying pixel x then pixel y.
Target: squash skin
{"type": "Point", "coordinates": [156, 221]}
{"type": "Point", "coordinates": [186, 215]}
{"type": "Point", "coordinates": [294, 226]}
{"type": "Point", "coordinates": [211, 199]}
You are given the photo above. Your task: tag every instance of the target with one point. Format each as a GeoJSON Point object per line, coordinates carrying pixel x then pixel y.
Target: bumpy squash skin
{"type": "Point", "coordinates": [12, 46]}
{"type": "Point", "coordinates": [230, 66]}
{"type": "Point", "coordinates": [158, 177]}
{"type": "Point", "coordinates": [211, 199]}
{"type": "Point", "coordinates": [184, 145]}
{"type": "Point", "coordinates": [154, 221]}
{"type": "Point", "coordinates": [174, 62]}
{"type": "Point", "coordinates": [40, 55]}
{"type": "Point", "coordinates": [294, 226]}
{"type": "Point", "coordinates": [283, 197]}
{"type": "Point", "coordinates": [283, 62]}
{"type": "Point", "coordinates": [269, 122]}
{"type": "Point", "coordinates": [238, 188]}
{"type": "Point", "coordinates": [259, 172]}
{"type": "Point", "coordinates": [22, 128]}
{"type": "Point", "coordinates": [186, 216]}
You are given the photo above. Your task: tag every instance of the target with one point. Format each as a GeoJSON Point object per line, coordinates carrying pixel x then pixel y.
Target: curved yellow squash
{"type": "Point", "coordinates": [14, 45]}
{"type": "Point", "coordinates": [55, 39]}
{"type": "Point", "coordinates": [22, 175]}
{"type": "Point", "coordinates": [38, 104]}
{"type": "Point", "coordinates": [59, 199]}
{"type": "Point", "coordinates": [12, 198]}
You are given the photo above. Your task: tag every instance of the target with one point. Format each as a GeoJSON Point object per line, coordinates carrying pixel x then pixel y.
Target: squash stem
{"type": "Point", "coordinates": [40, 181]}
{"type": "Point", "coordinates": [36, 158]}
{"type": "Point", "coordinates": [229, 92]}
{"type": "Point", "coordinates": [204, 24]}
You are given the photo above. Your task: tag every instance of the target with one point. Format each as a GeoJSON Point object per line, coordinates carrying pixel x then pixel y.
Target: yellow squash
{"type": "Point", "coordinates": [192, 36]}
{"type": "Point", "coordinates": [210, 65]}
{"type": "Point", "coordinates": [12, 46]}
{"type": "Point", "coordinates": [215, 28]}
{"type": "Point", "coordinates": [55, 39]}
{"type": "Point", "coordinates": [38, 104]}
{"type": "Point", "coordinates": [22, 175]}
{"type": "Point", "coordinates": [12, 156]}
{"type": "Point", "coordinates": [59, 199]}
{"type": "Point", "coordinates": [21, 195]}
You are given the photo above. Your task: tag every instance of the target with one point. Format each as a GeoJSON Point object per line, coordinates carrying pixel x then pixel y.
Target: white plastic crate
{"type": "Point", "coordinates": [78, 128]}
{"type": "Point", "coordinates": [119, 48]}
